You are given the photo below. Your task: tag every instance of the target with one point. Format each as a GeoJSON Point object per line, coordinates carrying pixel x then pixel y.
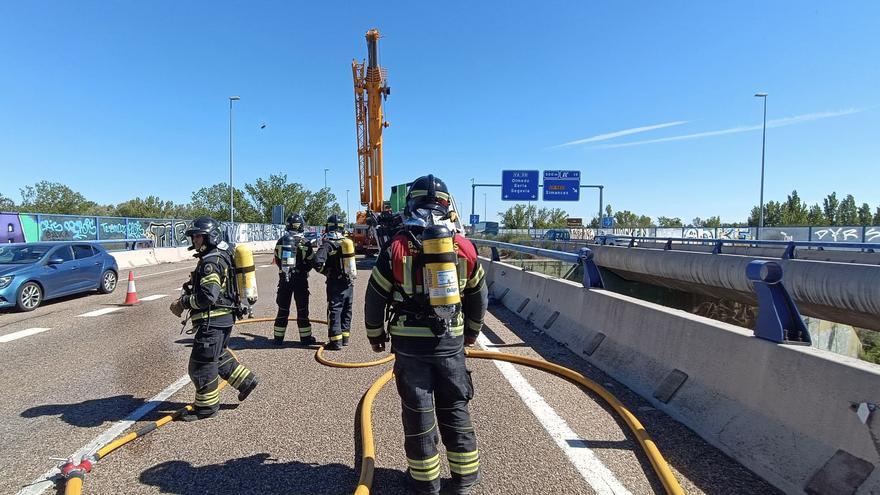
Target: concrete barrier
{"type": "Point", "coordinates": [784, 411]}
{"type": "Point", "coordinates": [157, 256]}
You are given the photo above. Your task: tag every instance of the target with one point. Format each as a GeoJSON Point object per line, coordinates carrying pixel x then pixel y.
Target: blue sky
{"type": "Point", "coordinates": [123, 99]}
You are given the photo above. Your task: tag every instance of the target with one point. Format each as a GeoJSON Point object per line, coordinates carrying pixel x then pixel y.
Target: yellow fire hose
{"type": "Point", "coordinates": [661, 468]}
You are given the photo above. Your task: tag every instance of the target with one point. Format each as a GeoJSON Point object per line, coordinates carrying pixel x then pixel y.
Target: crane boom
{"type": "Point", "coordinates": [370, 89]}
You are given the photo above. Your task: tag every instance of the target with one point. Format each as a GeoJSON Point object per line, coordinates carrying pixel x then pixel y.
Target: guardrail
{"type": "Point", "coordinates": [790, 247]}
{"type": "Point", "coordinates": [778, 317]}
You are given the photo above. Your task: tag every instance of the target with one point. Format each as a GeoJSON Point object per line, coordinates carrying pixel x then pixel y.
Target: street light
{"type": "Point", "coordinates": [325, 177]}
{"type": "Point", "coordinates": [347, 208]}
{"type": "Point", "coordinates": [763, 144]}
{"type": "Point", "coordinates": [485, 216]}
{"type": "Point", "coordinates": [231, 99]}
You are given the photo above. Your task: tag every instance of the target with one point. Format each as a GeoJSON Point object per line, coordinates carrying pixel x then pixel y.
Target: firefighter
{"type": "Point", "coordinates": [429, 283]}
{"type": "Point", "coordinates": [335, 260]}
{"type": "Point", "coordinates": [294, 255]}
{"type": "Point", "coordinates": [212, 299]}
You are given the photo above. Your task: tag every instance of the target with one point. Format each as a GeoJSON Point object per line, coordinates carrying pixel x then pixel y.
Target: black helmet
{"type": "Point", "coordinates": [296, 222]}
{"type": "Point", "coordinates": [427, 194]}
{"type": "Point", "coordinates": [334, 223]}
{"type": "Point", "coordinates": [208, 227]}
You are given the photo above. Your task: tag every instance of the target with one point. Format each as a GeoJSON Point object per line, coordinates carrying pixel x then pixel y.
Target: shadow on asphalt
{"type": "Point", "coordinates": [259, 473]}
{"type": "Point", "coordinates": [96, 412]}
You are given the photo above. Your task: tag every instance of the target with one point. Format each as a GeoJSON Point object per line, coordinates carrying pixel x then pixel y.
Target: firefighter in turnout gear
{"type": "Point", "coordinates": [212, 298]}
{"type": "Point", "coordinates": [335, 260]}
{"type": "Point", "coordinates": [427, 285]}
{"type": "Point", "coordinates": [294, 255]}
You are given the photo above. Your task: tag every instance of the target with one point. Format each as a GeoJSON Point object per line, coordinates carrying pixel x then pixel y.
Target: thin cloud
{"type": "Point", "coordinates": [624, 132]}
{"type": "Point", "coordinates": [783, 122]}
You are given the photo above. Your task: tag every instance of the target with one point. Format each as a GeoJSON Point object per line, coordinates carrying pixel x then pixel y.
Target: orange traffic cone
{"type": "Point", "coordinates": [131, 297]}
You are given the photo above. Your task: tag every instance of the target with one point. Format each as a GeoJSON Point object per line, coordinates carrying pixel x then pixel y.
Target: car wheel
{"type": "Point", "coordinates": [109, 280]}
{"type": "Point", "coordinates": [29, 297]}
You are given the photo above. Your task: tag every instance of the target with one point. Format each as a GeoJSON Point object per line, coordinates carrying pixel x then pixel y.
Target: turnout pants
{"type": "Point", "coordinates": [434, 393]}
{"type": "Point", "coordinates": [211, 360]}
{"type": "Point", "coordinates": [298, 287]}
{"type": "Point", "coordinates": [339, 295]}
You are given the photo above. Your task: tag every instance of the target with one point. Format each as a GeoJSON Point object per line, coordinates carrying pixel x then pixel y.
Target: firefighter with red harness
{"type": "Point", "coordinates": [427, 286]}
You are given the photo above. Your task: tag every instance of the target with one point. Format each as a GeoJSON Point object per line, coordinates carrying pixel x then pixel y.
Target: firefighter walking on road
{"type": "Point", "coordinates": [335, 260]}
{"type": "Point", "coordinates": [429, 283]}
{"type": "Point", "coordinates": [212, 298]}
{"type": "Point", "coordinates": [294, 255]}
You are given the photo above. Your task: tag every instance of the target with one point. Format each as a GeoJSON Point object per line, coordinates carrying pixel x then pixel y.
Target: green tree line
{"type": "Point", "coordinates": [791, 212]}
{"type": "Point", "coordinates": [252, 205]}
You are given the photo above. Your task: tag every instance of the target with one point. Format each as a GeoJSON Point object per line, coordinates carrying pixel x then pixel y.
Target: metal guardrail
{"type": "Point", "coordinates": [778, 317]}
{"type": "Point", "coordinates": [790, 247]}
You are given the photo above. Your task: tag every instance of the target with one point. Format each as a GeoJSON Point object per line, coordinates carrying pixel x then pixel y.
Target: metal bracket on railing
{"type": "Point", "coordinates": [778, 317]}
{"type": "Point", "coordinates": [592, 277]}
{"type": "Point", "coordinates": [717, 248]}
{"type": "Point", "coordinates": [790, 252]}
{"type": "Point", "coordinates": [632, 241]}
{"type": "Point", "coordinates": [668, 245]}
{"type": "Point", "coordinates": [495, 255]}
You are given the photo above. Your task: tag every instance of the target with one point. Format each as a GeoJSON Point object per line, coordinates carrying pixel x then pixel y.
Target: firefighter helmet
{"type": "Point", "coordinates": [334, 223]}
{"type": "Point", "coordinates": [296, 222]}
{"type": "Point", "coordinates": [427, 202]}
{"type": "Point", "coordinates": [209, 228]}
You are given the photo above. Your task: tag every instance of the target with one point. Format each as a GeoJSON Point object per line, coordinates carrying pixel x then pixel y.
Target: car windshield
{"type": "Point", "coordinates": [20, 255]}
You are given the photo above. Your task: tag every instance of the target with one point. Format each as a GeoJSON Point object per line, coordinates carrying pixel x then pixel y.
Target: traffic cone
{"type": "Point", "coordinates": [131, 297]}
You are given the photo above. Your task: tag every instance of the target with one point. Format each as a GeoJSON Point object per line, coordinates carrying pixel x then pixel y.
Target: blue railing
{"type": "Point", "coordinates": [789, 247]}
{"type": "Point", "coordinates": [778, 317]}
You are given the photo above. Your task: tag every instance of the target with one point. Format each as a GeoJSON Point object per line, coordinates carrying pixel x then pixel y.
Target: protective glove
{"type": "Point", "coordinates": [177, 308]}
{"type": "Point", "coordinates": [380, 347]}
{"type": "Point", "coordinates": [470, 340]}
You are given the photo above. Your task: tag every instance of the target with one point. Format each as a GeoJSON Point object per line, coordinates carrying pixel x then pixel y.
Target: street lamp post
{"type": "Point", "coordinates": [347, 208]}
{"type": "Point", "coordinates": [325, 177]}
{"type": "Point", "coordinates": [485, 215]}
{"type": "Point", "coordinates": [763, 145]}
{"type": "Point", "coordinates": [231, 99]}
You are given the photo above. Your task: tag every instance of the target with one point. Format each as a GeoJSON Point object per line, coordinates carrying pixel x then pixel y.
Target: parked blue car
{"type": "Point", "coordinates": [32, 273]}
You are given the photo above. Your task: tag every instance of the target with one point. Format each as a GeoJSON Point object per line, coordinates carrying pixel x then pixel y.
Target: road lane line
{"type": "Point", "coordinates": [98, 312]}
{"type": "Point", "coordinates": [599, 477]}
{"type": "Point", "coordinates": [267, 266]}
{"type": "Point", "coordinates": [22, 333]}
{"type": "Point", "coordinates": [43, 482]}
{"type": "Point", "coordinates": [154, 297]}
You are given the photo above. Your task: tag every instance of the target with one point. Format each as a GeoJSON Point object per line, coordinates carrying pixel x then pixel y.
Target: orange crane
{"type": "Point", "coordinates": [370, 91]}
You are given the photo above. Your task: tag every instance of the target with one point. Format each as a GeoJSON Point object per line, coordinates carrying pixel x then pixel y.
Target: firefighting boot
{"type": "Point", "coordinates": [333, 345]}
{"type": "Point", "coordinates": [454, 487]}
{"type": "Point", "coordinates": [194, 416]}
{"type": "Point", "coordinates": [344, 340]}
{"type": "Point", "coordinates": [309, 340]}
{"type": "Point", "coordinates": [279, 340]}
{"type": "Point", "coordinates": [248, 387]}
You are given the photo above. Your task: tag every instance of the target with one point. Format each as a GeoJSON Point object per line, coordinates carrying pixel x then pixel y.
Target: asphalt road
{"type": "Point", "coordinates": [67, 386]}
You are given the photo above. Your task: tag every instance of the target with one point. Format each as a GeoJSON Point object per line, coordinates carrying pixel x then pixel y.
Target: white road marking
{"type": "Point", "coordinates": [154, 297]}
{"type": "Point", "coordinates": [599, 477]}
{"type": "Point", "coordinates": [43, 482]}
{"type": "Point", "coordinates": [98, 312]}
{"type": "Point", "coordinates": [267, 266]}
{"type": "Point", "coordinates": [21, 333]}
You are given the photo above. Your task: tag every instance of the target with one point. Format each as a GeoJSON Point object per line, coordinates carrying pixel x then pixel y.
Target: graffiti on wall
{"type": "Point", "coordinates": [583, 234]}
{"type": "Point", "coordinates": [249, 232]}
{"type": "Point", "coordinates": [57, 228]}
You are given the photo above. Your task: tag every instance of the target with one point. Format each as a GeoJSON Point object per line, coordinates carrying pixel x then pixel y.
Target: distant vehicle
{"type": "Point", "coordinates": [32, 273]}
{"type": "Point", "coordinates": [557, 235]}
{"type": "Point", "coordinates": [486, 228]}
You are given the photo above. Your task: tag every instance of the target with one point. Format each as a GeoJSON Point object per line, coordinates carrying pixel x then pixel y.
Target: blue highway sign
{"type": "Point", "coordinates": [607, 222]}
{"type": "Point", "coordinates": [475, 219]}
{"type": "Point", "coordinates": [519, 185]}
{"type": "Point", "coordinates": [562, 185]}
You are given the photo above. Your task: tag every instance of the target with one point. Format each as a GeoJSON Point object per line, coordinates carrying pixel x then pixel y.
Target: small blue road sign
{"type": "Point", "coordinates": [562, 185]}
{"type": "Point", "coordinates": [475, 219]}
{"type": "Point", "coordinates": [519, 185]}
{"type": "Point", "coordinates": [607, 222]}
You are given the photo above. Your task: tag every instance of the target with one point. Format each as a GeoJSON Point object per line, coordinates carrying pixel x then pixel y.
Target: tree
{"type": "Point", "coordinates": [773, 213]}
{"type": "Point", "coordinates": [213, 201]}
{"type": "Point", "coordinates": [876, 220]}
{"type": "Point", "coordinates": [815, 217]}
{"type": "Point", "coordinates": [829, 207]}
{"type": "Point", "coordinates": [794, 211]}
{"type": "Point", "coordinates": [517, 216]}
{"type": "Point", "coordinates": [626, 219]}
{"type": "Point", "coordinates": [669, 222]}
{"type": "Point", "coordinates": [847, 212]}
{"type": "Point", "coordinates": [278, 191]}
{"type": "Point", "coordinates": [865, 215]}
{"type": "Point", "coordinates": [53, 197]}
{"type": "Point", "coordinates": [7, 204]}
{"type": "Point", "coordinates": [711, 222]}
{"type": "Point", "coordinates": [149, 207]}
{"type": "Point", "coordinates": [320, 205]}
{"type": "Point", "coordinates": [547, 218]}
